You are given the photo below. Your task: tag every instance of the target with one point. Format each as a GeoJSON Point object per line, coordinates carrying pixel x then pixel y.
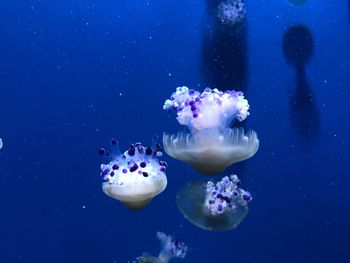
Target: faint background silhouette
{"type": "Point", "coordinates": [298, 46]}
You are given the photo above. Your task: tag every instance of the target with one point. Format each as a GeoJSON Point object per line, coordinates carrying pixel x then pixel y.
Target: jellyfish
{"type": "Point", "coordinates": [170, 248]}
{"type": "Point", "coordinates": [1, 144]}
{"type": "Point", "coordinates": [212, 145]}
{"type": "Point", "coordinates": [134, 177]}
{"type": "Point", "coordinates": [231, 12]}
{"type": "Point", "coordinates": [214, 206]}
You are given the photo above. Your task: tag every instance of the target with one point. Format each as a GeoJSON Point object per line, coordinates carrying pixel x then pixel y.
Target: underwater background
{"type": "Point", "coordinates": [74, 74]}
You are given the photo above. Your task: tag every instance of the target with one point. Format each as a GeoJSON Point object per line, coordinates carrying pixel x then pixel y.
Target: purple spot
{"type": "Point", "coordinates": [191, 103]}
{"type": "Point", "coordinates": [162, 163]}
{"type": "Point", "coordinates": [219, 208]}
{"type": "Point", "coordinates": [115, 166]}
{"type": "Point", "coordinates": [220, 196]}
{"type": "Point", "coordinates": [162, 169]}
{"type": "Point", "coordinates": [193, 108]}
{"type": "Point", "coordinates": [227, 199]}
{"type": "Point", "coordinates": [134, 168]}
{"type": "Point", "coordinates": [191, 92]}
{"type": "Point", "coordinates": [101, 151]}
{"type": "Point", "coordinates": [125, 171]}
{"type": "Point", "coordinates": [195, 115]}
{"type": "Point", "coordinates": [114, 141]}
{"type": "Point", "coordinates": [145, 174]}
{"type": "Point", "coordinates": [112, 174]}
{"type": "Point", "coordinates": [143, 164]}
{"type": "Point", "coordinates": [148, 151]}
{"type": "Point", "coordinates": [197, 99]}
{"type": "Point", "coordinates": [238, 183]}
{"type": "Point", "coordinates": [131, 151]}
{"type": "Point", "coordinates": [211, 202]}
{"type": "Point", "coordinates": [246, 196]}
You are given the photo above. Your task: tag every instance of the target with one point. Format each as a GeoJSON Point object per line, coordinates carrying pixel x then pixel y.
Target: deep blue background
{"type": "Point", "coordinates": [73, 74]}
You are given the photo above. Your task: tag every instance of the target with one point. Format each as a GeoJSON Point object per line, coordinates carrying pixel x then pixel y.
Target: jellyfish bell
{"type": "Point", "coordinates": [212, 146]}
{"type": "Point", "coordinates": [134, 177]}
{"type": "Point", "coordinates": [214, 206]}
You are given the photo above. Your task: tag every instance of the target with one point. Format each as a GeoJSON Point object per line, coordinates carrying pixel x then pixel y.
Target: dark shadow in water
{"type": "Point", "coordinates": [297, 2]}
{"type": "Point", "coordinates": [224, 59]}
{"type": "Point", "coordinates": [224, 50]}
{"type": "Point", "coordinates": [298, 46]}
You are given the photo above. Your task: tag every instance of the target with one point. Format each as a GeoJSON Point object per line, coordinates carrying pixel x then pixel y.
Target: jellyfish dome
{"type": "Point", "coordinates": [214, 206]}
{"type": "Point", "coordinates": [134, 177]}
{"type": "Point", "coordinates": [212, 145]}
{"type": "Point", "coordinates": [231, 12]}
{"type": "Point", "coordinates": [170, 248]}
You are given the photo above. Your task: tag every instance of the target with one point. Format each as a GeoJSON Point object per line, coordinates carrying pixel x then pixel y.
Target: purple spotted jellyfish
{"type": "Point", "coordinates": [212, 145]}
{"type": "Point", "coordinates": [231, 12]}
{"type": "Point", "coordinates": [214, 206]}
{"type": "Point", "coordinates": [170, 248]}
{"type": "Point", "coordinates": [134, 177]}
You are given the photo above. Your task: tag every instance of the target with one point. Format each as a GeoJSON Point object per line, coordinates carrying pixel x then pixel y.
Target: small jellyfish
{"type": "Point", "coordinates": [134, 177]}
{"type": "Point", "coordinates": [214, 206]}
{"type": "Point", "coordinates": [231, 12]}
{"type": "Point", "coordinates": [169, 248]}
{"type": "Point", "coordinates": [1, 144]}
{"type": "Point", "coordinates": [212, 145]}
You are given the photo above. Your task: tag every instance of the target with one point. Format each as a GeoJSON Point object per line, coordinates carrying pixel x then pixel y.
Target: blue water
{"type": "Point", "coordinates": [73, 74]}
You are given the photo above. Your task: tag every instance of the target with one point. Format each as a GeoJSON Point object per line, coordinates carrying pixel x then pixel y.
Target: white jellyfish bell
{"type": "Point", "coordinates": [214, 206]}
{"type": "Point", "coordinates": [170, 248]}
{"type": "Point", "coordinates": [212, 145]}
{"type": "Point", "coordinates": [135, 177]}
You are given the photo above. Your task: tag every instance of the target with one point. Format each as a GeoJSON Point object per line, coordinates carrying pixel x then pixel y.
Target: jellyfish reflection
{"type": "Point", "coordinates": [170, 248]}
{"type": "Point", "coordinates": [212, 146]}
{"type": "Point", "coordinates": [214, 206]}
{"type": "Point", "coordinates": [134, 177]}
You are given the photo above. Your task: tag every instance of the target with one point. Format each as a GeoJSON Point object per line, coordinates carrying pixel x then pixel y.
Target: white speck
{"type": "Point", "coordinates": [169, 74]}
{"type": "Point", "coordinates": [120, 94]}
{"type": "Point", "coordinates": [1, 143]}
{"type": "Point", "coordinates": [84, 206]}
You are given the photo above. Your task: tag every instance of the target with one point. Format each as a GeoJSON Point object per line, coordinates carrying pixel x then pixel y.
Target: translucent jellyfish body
{"type": "Point", "coordinates": [212, 146]}
{"type": "Point", "coordinates": [170, 248]}
{"type": "Point", "coordinates": [134, 177]}
{"type": "Point", "coordinates": [231, 12]}
{"type": "Point", "coordinates": [214, 206]}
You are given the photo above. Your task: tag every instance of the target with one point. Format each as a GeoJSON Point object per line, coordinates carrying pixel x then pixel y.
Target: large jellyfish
{"type": "Point", "coordinates": [134, 177]}
{"type": "Point", "coordinates": [214, 206]}
{"type": "Point", "coordinates": [170, 248]}
{"type": "Point", "coordinates": [231, 12]}
{"type": "Point", "coordinates": [212, 146]}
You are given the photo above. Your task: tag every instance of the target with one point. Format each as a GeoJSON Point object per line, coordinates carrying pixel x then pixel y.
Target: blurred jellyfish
{"type": "Point", "coordinates": [134, 177]}
{"type": "Point", "coordinates": [231, 12]}
{"type": "Point", "coordinates": [170, 248]}
{"type": "Point", "coordinates": [214, 206]}
{"type": "Point", "coordinates": [212, 146]}
{"type": "Point", "coordinates": [1, 144]}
